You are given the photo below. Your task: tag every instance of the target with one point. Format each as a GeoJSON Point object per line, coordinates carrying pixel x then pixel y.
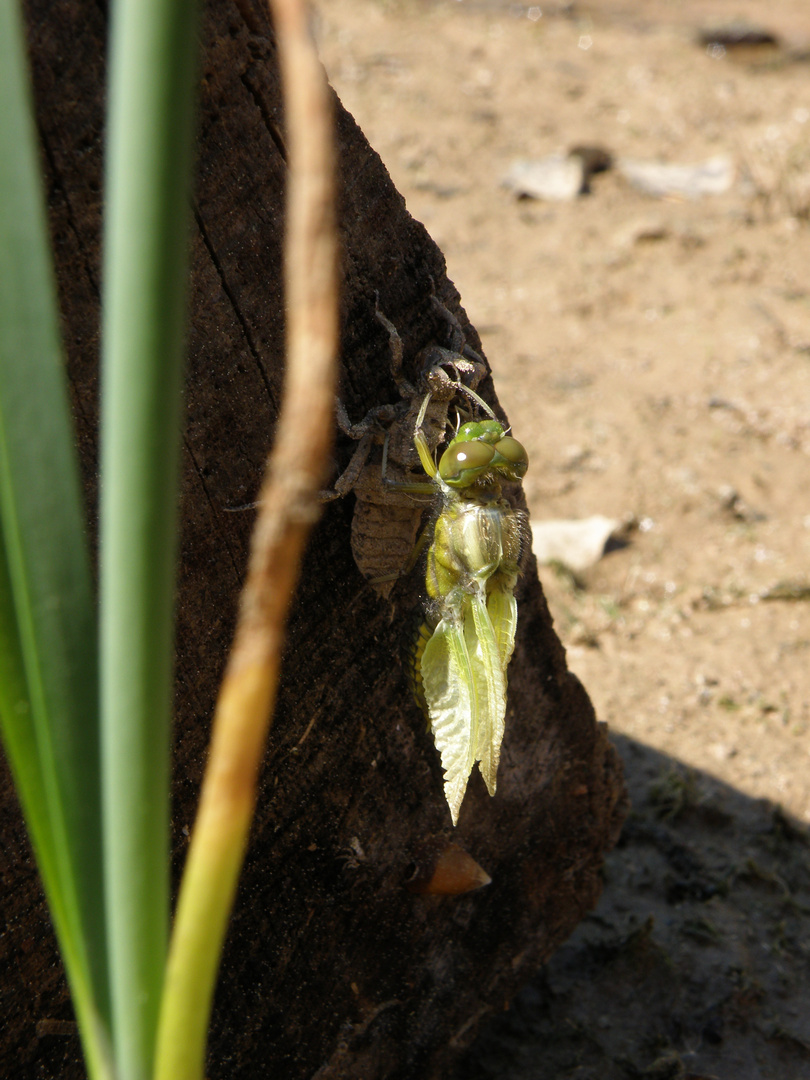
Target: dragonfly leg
{"type": "Point", "coordinates": [406, 390]}
{"type": "Point", "coordinates": [350, 475]}
{"type": "Point", "coordinates": [457, 341]}
{"type": "Point", "coordinates": [366, 432]}
{"type": "Point", "coordinates": [413, 487]}
{"type": "Point", "coordinates": [375, 422]}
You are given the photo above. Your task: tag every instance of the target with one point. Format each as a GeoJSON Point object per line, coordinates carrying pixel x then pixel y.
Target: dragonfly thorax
{"type": "Point", "coordinates": [472, 542]}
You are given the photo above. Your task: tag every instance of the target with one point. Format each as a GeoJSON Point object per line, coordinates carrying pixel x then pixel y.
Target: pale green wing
{"type": "Point", "coordinates": [502, 608]}
{"type": "Point", "coordinates": [450, 693]}
{"type": "Point", "coordinates": [490, 683]}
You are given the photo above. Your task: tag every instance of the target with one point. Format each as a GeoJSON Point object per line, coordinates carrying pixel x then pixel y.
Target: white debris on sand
{"type": "Point", "coordinates": [578, 544]}
{"type": "Point", "coordinates": [711, 177]}
{"type": "Point", "coordinates": [559, 177]}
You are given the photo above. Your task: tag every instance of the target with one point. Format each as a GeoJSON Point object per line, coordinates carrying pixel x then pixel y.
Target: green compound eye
{"type": "Point", "coordinates": [512, 450]}
{"type": "Point", "coordinates": [462, 462]}
{"type": "Point", "coordinates": [513, 459]}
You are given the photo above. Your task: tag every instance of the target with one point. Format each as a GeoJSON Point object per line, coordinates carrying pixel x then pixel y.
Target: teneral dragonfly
{"type": "Point", "coordinates": [460, 657]}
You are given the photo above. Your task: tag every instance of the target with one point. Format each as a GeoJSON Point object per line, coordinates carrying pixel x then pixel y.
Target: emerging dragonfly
{"type": "Point", "coordinates": [462, 651]}
{"type": "Point", "coordinates": [460, 656]}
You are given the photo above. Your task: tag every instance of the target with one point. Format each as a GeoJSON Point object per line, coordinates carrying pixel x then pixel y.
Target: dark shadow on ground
{"type": "Point", "coordinates": [695, 964]}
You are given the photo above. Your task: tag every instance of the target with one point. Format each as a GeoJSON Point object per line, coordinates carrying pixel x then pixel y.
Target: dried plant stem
{"type": "Point", "coordinates": [288, 508]}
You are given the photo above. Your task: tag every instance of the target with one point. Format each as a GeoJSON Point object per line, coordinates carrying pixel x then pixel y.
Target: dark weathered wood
{"type": "Point", "coordinates": [332, 968]}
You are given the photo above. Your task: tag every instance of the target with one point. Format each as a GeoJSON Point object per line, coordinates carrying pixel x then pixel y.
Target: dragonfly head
{"type": "Point", "coordinates": [479, 451]}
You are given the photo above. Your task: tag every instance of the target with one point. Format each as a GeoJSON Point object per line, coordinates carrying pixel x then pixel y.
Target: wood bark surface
{"type": "Point", "coordinates": [332, 967]}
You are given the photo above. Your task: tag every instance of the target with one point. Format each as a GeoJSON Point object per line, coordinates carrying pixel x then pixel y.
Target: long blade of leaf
{"type": "Point", "coordinates": [153, 67]}
{"type": "Point", "coordinates": [48, 684]}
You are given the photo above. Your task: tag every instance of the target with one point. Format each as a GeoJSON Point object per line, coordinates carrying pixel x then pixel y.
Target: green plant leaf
{"type": "Point", "coordinates": [149, 156]}
{"type": "Point", "coordinates": [48, 675]}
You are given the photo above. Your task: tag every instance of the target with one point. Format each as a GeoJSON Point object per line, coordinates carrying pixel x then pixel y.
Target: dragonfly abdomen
{"type": "Point", "coordinates": [414, 651]}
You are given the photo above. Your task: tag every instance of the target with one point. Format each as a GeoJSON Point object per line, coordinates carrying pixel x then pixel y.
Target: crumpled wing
{"type": "Point", "coordinates": [452, 700]}
{"type": "Point", "coordinates": [490, 678]}
{"type": "Point", "coordinates": [464, 681]}
{"type": "Point", "coordinates": [502, 608]}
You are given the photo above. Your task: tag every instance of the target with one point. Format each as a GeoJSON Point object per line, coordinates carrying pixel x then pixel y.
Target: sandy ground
{"type": "Point", "coordinates": [654, 357]}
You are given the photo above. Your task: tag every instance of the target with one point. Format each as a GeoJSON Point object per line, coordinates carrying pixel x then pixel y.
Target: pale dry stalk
{"type": "Point", "coordinates": [288, 507]}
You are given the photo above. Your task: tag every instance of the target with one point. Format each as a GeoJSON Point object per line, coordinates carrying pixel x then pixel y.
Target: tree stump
{"type": "Point", "coordinates": [332, 967]}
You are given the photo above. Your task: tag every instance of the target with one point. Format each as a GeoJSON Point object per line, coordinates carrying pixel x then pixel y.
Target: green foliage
{"type": "Point", "coordinates": [149, 143]}
{"type": "Point", "coordinates": [48, 680]}
{"type": "Point", "coordinates": [87, 726]}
